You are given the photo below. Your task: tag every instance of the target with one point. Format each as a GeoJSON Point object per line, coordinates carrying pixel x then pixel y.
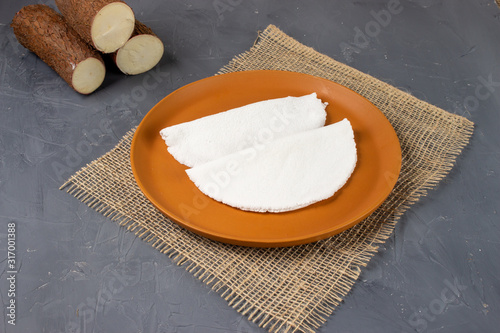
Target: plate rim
{"type": "Point", "coordinates": [255, 242]}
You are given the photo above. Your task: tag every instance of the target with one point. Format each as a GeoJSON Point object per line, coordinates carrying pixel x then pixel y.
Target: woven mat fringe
{"type": "Point", "coordinates": [295, 288]}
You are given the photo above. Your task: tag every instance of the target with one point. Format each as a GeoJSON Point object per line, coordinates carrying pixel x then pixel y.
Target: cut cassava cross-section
{"type": "Point", "coordinates": [105, 24]}
{"type": "Point", "coordinates": [141, 52]}
{"type": "Point", "coordinates": [44, 32]}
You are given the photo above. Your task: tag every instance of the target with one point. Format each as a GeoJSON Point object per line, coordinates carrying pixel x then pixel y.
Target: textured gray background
{"type": "Point", "coordinates": [80, 272]}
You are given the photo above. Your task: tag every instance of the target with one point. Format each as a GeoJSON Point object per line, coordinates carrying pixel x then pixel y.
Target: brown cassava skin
{"type": "Point", "coordinates": [80, 14]}
{"type": "Point", "coordinates": [142, 29]}
{"type": "Point", "coordinates": [43, 31]}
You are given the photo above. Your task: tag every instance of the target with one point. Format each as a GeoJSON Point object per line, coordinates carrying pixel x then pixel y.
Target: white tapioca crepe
{"type": "Point", "coordinates": [208, 138]}
{"type": "Point", "coordinates": [286, 174]}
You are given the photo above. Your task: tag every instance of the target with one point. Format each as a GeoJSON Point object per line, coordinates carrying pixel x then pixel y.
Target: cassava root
{"type": "Point", "coordinates": [141, 52]}
{"type": "Point", "coordinates": [104, 24]}
{"type": "Point", "coordinates": [45, 32]}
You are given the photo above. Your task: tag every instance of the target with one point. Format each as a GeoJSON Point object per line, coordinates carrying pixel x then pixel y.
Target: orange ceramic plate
{"type": "Point", "coordinates": [164, 182]}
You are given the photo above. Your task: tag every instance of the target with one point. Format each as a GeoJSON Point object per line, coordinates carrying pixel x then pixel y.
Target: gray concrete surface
{"type": "Point", "coordinates": [79, 272]}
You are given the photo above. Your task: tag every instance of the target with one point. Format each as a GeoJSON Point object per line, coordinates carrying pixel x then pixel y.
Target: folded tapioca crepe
{"type": "Point", "coordinates": [286, 174]}
{"type": "Point", "coordinates": [208, 138]}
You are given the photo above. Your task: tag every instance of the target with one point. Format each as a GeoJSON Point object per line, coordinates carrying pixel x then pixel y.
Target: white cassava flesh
{"type": "Point", "coordinates": [286, 174]}
{"type": "Point", "coordinates": [88, 75]}
{"type": "Point", "coordinates": [208, 138]}
{"type": "Point", "coordinates": [112, 27]}
{"type": "Point", "coordinates": [139, 54]}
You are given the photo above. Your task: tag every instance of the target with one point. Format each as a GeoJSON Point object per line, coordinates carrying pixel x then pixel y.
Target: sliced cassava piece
{"type": "Point", "coordinates": [43, 31]}
{"type": "Point", "coordinates": [141, 52]}
{"type": "Point", "coordinates": [208, 138]}
{"type": "Point", "coordinates": [105, 24]}
{"type": "Point", "coordinates": [286, 174]}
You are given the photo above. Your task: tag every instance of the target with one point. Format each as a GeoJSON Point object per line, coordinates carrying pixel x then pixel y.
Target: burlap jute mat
{"type": "Point", "coordinates": [296, 288]}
